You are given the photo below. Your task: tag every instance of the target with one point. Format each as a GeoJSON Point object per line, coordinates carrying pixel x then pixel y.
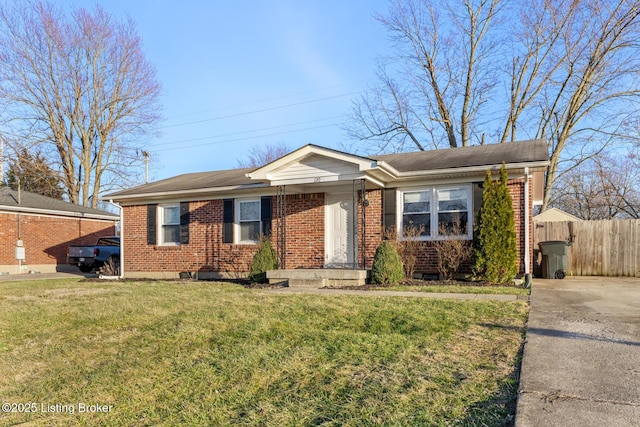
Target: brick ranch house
{"type": "Point", "coordinates": [45, 227]}
{"type": "Point", "coordinates": [323, 209]}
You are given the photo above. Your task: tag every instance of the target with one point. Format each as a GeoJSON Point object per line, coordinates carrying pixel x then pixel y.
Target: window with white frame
{"type": "Point", "coordinates": [436, 212]}
{"type": "Point", "coordinates": [248, 220]}
{"type": "Point", "coordinates": [453, 211]}
{"type": "Point", "coordinates": [416, 213]}
{"type": "Point", "coordinates": [169, 229]}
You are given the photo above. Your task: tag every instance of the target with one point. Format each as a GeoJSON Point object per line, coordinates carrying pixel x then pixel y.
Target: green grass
{"type": "Point", "coordinates": [194, 353]}
{"type": "Point", "coordinates": [456, 288]}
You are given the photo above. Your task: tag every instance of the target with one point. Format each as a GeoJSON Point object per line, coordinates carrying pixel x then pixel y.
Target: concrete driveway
{"type": "Point", "coordinates": [581, 364]}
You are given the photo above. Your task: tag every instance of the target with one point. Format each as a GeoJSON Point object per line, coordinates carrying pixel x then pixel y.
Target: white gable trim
{"type": "Point", "coordinates": [306, 166]}
{"type": "Point", "coordinates": [266, 172]}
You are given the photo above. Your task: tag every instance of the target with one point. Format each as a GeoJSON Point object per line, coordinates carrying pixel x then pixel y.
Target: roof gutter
{"type": "Point", "coordinates": [473, 169]}
{"type": "Point", "coordinates": [185, 192]}
{"type": "Point", "coordinates": [22, 209]}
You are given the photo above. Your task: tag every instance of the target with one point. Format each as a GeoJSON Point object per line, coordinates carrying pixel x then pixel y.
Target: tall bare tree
{"type": "Point", "coordinates": [604, 187]}
{"type": "Point", "coordinates": [432, 89]}
{"type": "Point", "coordinates": [79, 87]}
{"type": "Point", "coordinates": [564, 71]}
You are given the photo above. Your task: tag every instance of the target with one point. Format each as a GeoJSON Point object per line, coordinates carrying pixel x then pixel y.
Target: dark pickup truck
{"type": "Point", "coordinates": [88, 258]}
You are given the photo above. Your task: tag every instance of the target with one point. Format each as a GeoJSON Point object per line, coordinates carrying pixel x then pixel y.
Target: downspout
{"type": "Point", "coordinates": [527, 231]}
{"type": "Point", "coordinates": [121, 238]}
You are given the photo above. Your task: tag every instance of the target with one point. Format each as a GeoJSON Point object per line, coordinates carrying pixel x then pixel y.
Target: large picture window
{"type": "Point", "coordinates": [435, 212]}
{"type": "Point", "coordinates": [248, 218]}
{"type": "Point", "coordinates": [170, 224]}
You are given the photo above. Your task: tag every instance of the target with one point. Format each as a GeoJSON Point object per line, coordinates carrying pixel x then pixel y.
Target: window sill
{"type": "Point", "coordinates": [168, 246]}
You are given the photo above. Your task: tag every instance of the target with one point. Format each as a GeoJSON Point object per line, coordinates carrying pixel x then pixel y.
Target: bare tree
{"type": "Point", "coordinates": [79, 87]}
{"type": "Point", "coordinates": [444, 52]}
{"type": "Point", "coordinates": [567, 73]}
{"type": "Point", "coordinates": [260, 155]}
{"type": "Point", "coordinates": [604, 187]}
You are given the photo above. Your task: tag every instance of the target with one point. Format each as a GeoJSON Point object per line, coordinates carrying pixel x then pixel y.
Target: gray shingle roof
{"type": "Point", "coordinates": [31, 201]}
{"type": "Point", "coordinates": [491, 154]}
{"type": "Point", "coordinates": [191, 181]}
{"type": "Point", "coordinates": [479, 155]}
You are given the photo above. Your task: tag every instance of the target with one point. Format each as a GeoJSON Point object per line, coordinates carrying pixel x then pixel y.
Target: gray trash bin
{"type": "Point", "coordinates": [554, 259]}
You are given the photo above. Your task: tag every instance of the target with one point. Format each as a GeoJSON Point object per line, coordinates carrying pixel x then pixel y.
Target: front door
{"type": "Point", "coordinates": [338, 230]}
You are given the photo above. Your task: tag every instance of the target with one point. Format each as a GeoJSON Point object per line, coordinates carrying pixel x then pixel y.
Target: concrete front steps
{"type": "Point", "coordinates": [318, 278]}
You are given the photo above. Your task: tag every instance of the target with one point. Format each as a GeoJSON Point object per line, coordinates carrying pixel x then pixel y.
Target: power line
{"type": "Point", "coordinates": [246, 131]}
{"type": "Point", "coordinates": [279, 107]}
{"type": "Point", "coordinates": [247, 138]}
{"type": "Point", "coordinates": [262, 101]}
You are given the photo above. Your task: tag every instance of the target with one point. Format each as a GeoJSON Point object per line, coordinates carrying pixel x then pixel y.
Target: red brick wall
{"type": "Point", "coordinates": [516, 190]}
{"type": "Point", "coordinates": [205, 251]}
{"type": "Point", "coordinates": [305, 232]}
{"type": "Point", "coordinates": [373, 225]}
{"type": "Point", "coordinates": [46, 238]}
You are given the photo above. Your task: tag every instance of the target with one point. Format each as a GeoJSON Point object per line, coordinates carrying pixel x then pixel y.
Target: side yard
{"type": "Point", "coordinates": [198, 353]}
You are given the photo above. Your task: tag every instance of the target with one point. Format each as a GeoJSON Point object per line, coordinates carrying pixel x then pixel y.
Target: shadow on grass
{"type": "Point", "coordinates": [499, 410]}
{"type": "Point", "coordinates": [579, 336]}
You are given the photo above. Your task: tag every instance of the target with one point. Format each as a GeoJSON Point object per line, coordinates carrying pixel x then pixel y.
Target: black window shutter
{"type": "Point", "coordinates": [184, 223]}
{"type": "Point", "coordinates": [389, 203]}
{"type": "Point", "coordinates": [227, 221]}
{"type": "Point", "coordinates": [265, 215]}
{"type": "Point", "coordinates": [151, 224]}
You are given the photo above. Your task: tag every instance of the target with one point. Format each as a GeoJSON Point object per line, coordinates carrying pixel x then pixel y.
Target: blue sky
{"type": "Point", "coordinates": [236, 74]}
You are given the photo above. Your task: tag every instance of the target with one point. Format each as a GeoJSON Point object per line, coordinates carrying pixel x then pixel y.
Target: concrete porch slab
{"type": "Point", "coordinates": [318, 278]}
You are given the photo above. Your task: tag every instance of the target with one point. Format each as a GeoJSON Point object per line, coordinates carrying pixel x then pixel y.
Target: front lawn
{"type": "Point", "coordinates": [198, 353]}
{"type": "Point", "coordinates": [452, 287]}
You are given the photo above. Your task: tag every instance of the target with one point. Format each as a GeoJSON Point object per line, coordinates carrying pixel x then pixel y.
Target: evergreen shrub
{"type": "Point", "coordinates": [494, 244]}
{"type": "Point", "coordinates": [386, 268]}
{"type": "Point", "coordinates": [264, 259]}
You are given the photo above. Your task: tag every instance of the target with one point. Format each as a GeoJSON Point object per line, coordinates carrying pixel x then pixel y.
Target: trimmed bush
{"type": "Point", "coordinates": [265, 259]}
{"type": "Point", "coordinates": [387, 268]}
{"type": "Point", "coordinates": [494, 244]}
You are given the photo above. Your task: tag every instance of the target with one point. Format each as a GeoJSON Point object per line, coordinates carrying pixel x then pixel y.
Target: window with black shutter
{"type": "Point", "coordinates": [227, 220]}
{"type": "Point", "coordinates": [265, 214]}
{"type": "Point", "coordinates": [151, 224]}
{"type": "Point", "coordinates": [184, 223]}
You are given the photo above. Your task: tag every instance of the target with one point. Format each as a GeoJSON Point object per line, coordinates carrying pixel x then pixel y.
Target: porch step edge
{"type": "Point", "coordinates": [318, 274]}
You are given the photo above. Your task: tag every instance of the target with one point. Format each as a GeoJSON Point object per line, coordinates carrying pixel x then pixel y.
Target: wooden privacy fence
{"type": "Point", "coordinates": [599, 248]}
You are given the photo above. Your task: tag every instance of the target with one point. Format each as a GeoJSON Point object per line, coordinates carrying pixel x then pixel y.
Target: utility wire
{"type": "Point", "coordinates": [246, 138]}
{"type": "Point", "coordinates": [246, 113]}
{"type": "Point", "coordinates": [246, 131]}
{"type": "Point", "coordinates": [263, 101]}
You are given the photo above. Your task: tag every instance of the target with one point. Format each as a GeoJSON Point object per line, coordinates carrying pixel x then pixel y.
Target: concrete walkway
{"type": "Point", "coordinates": [581, 364]}
{"type": "Point", "coordinates": [329, 291]}
{"type": "Point", "coordinates": [42, 276]}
